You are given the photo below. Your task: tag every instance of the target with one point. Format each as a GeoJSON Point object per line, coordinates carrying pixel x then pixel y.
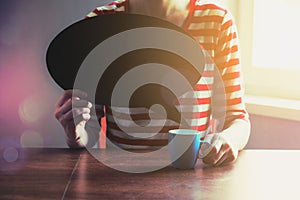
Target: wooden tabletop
{"type": "Point", "coordinates": [76, 174]}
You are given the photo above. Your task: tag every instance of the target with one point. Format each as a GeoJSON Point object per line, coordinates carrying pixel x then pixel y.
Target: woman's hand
{"type": "Point", "coordinates": [221, 152]}
{"type": "Point", "coordinates": [72, 110]}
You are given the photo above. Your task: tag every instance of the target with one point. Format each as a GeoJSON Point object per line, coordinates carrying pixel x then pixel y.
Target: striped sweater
{"type": "Point", "coordinates": [220, 98]}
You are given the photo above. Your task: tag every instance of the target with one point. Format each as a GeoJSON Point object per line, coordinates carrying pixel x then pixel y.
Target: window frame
{"type": "Point", "coordinates": [258, 80]}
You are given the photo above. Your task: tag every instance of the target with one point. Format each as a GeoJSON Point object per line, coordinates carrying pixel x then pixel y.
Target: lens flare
{"type": "Point", "coordinates": [31, 139]}
{"type": "Point", "coordinates": [32, 109]}
{"type": "Point", "coordinates": [10, 154]}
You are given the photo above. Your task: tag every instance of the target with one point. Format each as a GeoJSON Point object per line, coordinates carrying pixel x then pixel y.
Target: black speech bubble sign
{"type": "Point", "coordinates": [69, 49]}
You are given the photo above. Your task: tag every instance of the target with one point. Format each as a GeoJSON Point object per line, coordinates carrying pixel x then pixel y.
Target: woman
{"type": "Point", "coordinates": [213, 27]}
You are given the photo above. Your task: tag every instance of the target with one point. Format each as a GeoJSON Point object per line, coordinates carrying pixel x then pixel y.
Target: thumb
{"type": "Point", "coordinates": [211, 141]}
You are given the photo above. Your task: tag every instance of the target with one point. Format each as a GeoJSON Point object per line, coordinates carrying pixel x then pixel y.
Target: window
{"type": "Point", "coordinates": [270, 46]}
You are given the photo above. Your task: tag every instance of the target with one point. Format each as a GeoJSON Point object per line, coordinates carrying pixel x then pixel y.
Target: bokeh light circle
{"type": "Point", "coordinates": [32, 109]}
{"type": "Point", "coordinates": [10, 154]}
{"type": "Point", "coordinates": [31, 138]}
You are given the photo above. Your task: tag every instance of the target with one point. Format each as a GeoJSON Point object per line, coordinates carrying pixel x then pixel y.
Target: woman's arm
{"type": "Point", "coordinates": [228, 106]}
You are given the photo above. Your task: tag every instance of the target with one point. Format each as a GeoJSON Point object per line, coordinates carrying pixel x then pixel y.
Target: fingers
{"type": "Point", "coordinates": [221, 154]}
{"type": "Point", "coordinates": [206, 148]}
{"type": "Point", "coordinates": [217, 157]}
{"type": "Point", "coordinates": [72, 107]}
{"type": "Point", "coordinates": [221, 160]}
{"type": "Point", "coordinates": [75, 103]}
{"type": "Point", "coordinates": [76, 114]}
{"type": "Point", "coordinates": [68, 94]}
{"type": "Point", "coordinates": [67, 114]}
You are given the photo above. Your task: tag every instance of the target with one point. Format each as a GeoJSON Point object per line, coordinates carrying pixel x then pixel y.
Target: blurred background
{"type": "Point", "coordinates": [271, 66]}
{"type": "Point", "coordinates": [27, 92]}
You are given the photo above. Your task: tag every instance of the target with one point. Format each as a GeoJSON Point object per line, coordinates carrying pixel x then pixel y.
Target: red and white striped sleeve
{"type": "Point", "coordinates": [213, 27]}
{"type": "Point", "coordinates": [113, 7]}
{"type": "Point", "coordinates": [227, 59]}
